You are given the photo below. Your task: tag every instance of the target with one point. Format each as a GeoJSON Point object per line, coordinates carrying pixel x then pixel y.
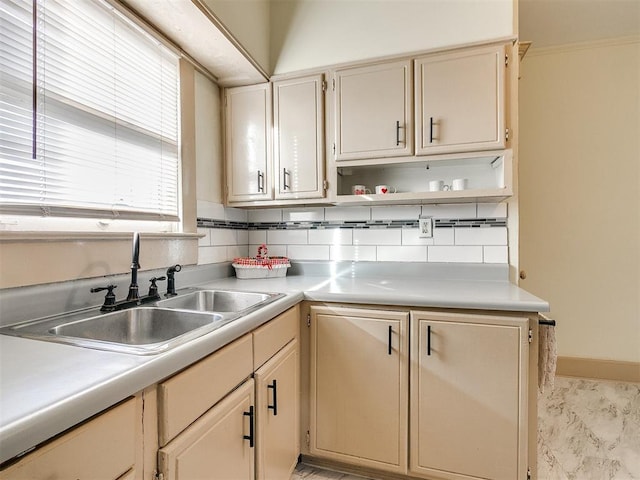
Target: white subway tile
{"type": "Point", "coordinates": [410, 237]}
{"type": "Point", "coordinates": [266, 215]}
{"type": "Point", "coordinates": [481, 236]}
{"type": "Point", "coordinates": [211, 255]}
{"type": "Point", "coordinates": [395, 213]}
{"type": "Point", "coordinates": [273, 250]}
{"type": "Point", "coordinates": [206, 240]}
{"type": "Point", "coordinates": [235, 214]}
{"type": "Point", "coordinates": [243, 237]}
{"type": "Point", "coordinates": [308, 252]}
{"type": "Point", "coordinates": [223, 236]}
{"type": "Point", "coordinates": [210, 210]}
{"type": "Point", "coordinates": [353, 252]}
{"type": "Point", "coordinates": [347, 214]}
{"type": "Point", "coordinates": [455, 210]}
{"type": "Point", "coordinates": [492, 210]}
{"type": "Point", "coordinates": [234, 251]}
{"type": "Point", "coordinates": [402, 254]}
{"type": "Point", "coordinates": [331, 236]}
{"type": "Point", "coordinates": [315, 214]}
{"type": "Point", "coordinates": [443, 236]}
{"type": "Point", "coordinates": [377, 236]}
{"type": "Point", "coordinates": [496, 254]}
{"type": "Point", "coordinates": [257, 237]}
{"type": "Point", "coordinates": [454, 254]}
{"type": "Point", "coordinates": [286, 237]}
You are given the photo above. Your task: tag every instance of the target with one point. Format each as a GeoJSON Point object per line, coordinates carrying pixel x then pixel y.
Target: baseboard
{"type": "Point", "coordinates": [599, 369]}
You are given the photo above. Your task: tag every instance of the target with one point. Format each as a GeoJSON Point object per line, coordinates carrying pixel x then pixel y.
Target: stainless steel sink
{"type": "Point", "coordinates": [141, 330]}
{"type": "Point", "coordinates": [146, 330]}
{"type": "Point", "coordinates": [217, 300]}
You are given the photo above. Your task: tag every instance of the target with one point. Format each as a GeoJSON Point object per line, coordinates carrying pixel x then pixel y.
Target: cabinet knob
{"type": "Point", "coordinates": [523, 274]}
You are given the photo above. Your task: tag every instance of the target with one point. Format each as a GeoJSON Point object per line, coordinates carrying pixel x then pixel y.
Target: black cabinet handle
{"type": "Point", "coordinates": [428, 339]}
{"type": "Point", "coordinates": [390, 335]}
{"type": "Point", "coordinates": [397, 132]}
{"type": "Point", "coordinates": [430, 129]}
{"type": "Point", "coordinates": [250, 436]}
{"type": "Point", "coordinates": [274, 407]}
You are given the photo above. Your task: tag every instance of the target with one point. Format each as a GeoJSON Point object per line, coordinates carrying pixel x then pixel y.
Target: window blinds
{"type": "Point", "coordinates": [106, 113]}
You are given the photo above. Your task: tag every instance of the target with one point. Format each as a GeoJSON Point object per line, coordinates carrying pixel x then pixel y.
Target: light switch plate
{"type": "Point", "coordinates": [425, 226]}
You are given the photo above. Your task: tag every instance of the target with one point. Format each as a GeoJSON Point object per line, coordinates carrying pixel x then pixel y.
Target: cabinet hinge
{"type": "Point", "coordinates": [308, 438]}
{"type": "Point", "coordinates": [325, 185]}
{"type": "Point", "coordinates": [506, 133]}
{"type": "Point", "coordinates": [506, 60]}
{"type": "Point", "coordinates": [324, 86]}
{"type": "Point", "coordinates": [333, 84]}
{"type": "Point", "coordinates": [530, 336]}
{"type": "Point", "coordinates": [308, 322]}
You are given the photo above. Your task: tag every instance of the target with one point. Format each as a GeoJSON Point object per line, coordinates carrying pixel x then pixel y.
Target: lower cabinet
{"type": "Point", "coordinates": [468, 396]}
{"type": "Point", "coordinates": [219, 445]}
{"type": "Point", "coordinates": [277, 406]}
{"type": "Point", "coordinates": [102, 448]}
{"type": "Point", "coordinates": [359, 385]}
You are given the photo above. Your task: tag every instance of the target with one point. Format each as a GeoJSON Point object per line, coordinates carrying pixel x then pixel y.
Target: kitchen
{"type": "Point", "coordinates": [223, 244]}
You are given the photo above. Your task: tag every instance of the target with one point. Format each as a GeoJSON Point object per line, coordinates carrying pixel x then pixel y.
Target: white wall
{"type": "Point", "coordinates": [312, 33]}
{"type": "Point", "coordinates": [580, 193]}
{"type": "Point", "coordinates": [248, 20]}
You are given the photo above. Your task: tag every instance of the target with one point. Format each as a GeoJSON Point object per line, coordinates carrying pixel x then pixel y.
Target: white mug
{"type": "Point", "coordinates": [384, 189]}
{"type": "Point", "coordinates": [459, 184]}
{"type": "Point", "coordinates": [359, 190]}
{"type": "Point", "coordinates": [436, 185]}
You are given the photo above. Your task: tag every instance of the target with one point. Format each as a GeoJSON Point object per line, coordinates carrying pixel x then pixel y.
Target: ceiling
{"type": "Point", "coordinates": [549, 23]}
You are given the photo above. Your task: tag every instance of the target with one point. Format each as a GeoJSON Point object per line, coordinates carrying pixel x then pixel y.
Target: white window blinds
{"type": "Point", "coordinates": [103, 96]}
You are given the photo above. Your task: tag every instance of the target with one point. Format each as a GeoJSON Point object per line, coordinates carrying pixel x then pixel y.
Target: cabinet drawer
{"type": "Point", "coordinates": [101, 448]}
{"type": "Point", "coordinates": [186, 396]}
{"type": "Point", "coordinates": [271, 337]}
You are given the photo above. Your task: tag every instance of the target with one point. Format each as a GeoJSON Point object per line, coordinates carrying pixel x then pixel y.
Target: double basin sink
{"type": "Point", "coordinates": [149, 329]}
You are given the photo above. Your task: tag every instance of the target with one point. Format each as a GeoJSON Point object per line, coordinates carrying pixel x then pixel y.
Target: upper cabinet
{"type": "Point", "coordinates": [248, 142]}
{"type": "Point", "coordinates": [373, 111]}
{"type": "Point", "coordinates": [460, 101]}
{"type": "Point", "coordinates": [298, 137]}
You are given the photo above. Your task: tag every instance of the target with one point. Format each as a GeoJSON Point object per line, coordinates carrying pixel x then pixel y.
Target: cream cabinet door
{"type": "Point", "coordinates": [373, 111]}
{"type": "Point", "coordinates": [248, 143]}
{"type": "Point", "coordinates": [460, 104]}
{"type": "Point", "coordinates": [217, 446]}
{"type": "Point", "coordinates": [468, 396]}
{"type": "Point", "coordinates": [298, 145]}
{"type": "Point", "coordinates": [278, 442]}
{"type": "Point", "coordinates": [359, 391]}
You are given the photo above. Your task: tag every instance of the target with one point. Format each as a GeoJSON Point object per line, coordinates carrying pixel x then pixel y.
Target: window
{"type": "Point", "coordinates": [89, 119]}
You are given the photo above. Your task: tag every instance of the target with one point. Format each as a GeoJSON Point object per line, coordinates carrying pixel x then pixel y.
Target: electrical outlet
{"type": "Point", "coordinates": [425, 226]}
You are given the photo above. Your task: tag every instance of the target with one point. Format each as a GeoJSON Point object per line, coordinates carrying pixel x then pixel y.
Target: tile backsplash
{"type": "Point", "coordinates": [469, 233]}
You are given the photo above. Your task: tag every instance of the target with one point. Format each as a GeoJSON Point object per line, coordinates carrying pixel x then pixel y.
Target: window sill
{"type": "Point", "coordinates": [25, 236]}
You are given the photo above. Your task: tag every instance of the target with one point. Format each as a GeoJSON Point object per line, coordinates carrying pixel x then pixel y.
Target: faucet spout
{"type": "Point", "coordinates": [135, 265]}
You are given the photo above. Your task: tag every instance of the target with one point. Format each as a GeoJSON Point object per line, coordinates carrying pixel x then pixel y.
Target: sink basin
{"type": "Point", "coordinates": [217, 301]}
{"type": "Point", "coordinates": [137, 326]}
{"type": "Point", "coordinates": [140, 331]}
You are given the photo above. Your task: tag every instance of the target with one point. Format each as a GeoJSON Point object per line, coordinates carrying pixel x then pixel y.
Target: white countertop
{"type": "Point", "coordinates": [46, 388]}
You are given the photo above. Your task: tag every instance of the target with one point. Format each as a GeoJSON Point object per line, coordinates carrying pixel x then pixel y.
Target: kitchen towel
{"type": "Point", "coordinates": [547, 355]}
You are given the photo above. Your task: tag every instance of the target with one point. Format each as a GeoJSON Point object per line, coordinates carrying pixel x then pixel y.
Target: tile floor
{"type": "Point", "coordinates": [587, 430]}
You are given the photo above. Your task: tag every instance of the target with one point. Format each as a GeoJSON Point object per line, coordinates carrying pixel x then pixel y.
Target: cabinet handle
{"type": "Point", "coordinates": [428, 339]}
{"type": "Point", "coordinates": [284, 178]}
{"type": "Point", "coordinates": [390, 335]}
{"type": "Point", "coordinates": [250, 436]}
{"type": "Point", "coordinates": [260, 181]}
{"type": "Point", "coordinates": [430, 129]}
{"type": "Point", "coordinates": [274, 407]}
{"type": "Point", "coordinates": [397, 132]}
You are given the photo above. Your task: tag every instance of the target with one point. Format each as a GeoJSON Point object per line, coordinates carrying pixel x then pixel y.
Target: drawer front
{"type": "Point", "coordinates": [271, 337]}
{"type": "Point", "coordinates": [186, 396]}
{"type": "Point", "coordinates": [102, 448]}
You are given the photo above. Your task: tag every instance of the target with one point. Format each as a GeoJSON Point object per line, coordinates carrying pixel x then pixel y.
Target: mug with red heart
{"type": "Point", "coordinates": [384, 189]}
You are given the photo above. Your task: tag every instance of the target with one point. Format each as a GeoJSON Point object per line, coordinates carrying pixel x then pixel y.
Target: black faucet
{"type": "Point", "coordinates": [135, 265]}
{"type": "Point", "coordinates": [171, 280]}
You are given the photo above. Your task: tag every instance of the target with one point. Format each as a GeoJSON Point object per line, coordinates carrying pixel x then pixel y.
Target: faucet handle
{"type": "Point", "coordinates": [153, 288]}
{"type": "Point", "coordinates": [109, 298]}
